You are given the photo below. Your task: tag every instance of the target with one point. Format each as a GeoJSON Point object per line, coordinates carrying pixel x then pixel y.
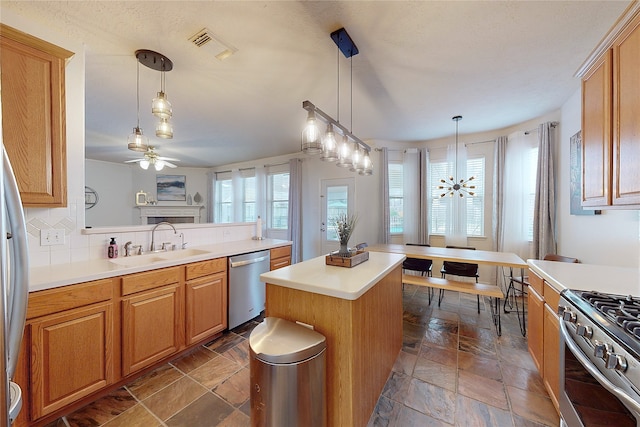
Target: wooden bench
{"type": "Point", "coordinates": [483, 289]}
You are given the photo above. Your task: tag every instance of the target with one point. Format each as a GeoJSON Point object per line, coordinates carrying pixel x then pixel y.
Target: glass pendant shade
{"type": "Point", "coordinates": [137, 141]}
{"type": "Point", "coordinates": [356, 159]}
{"type": "Point", "coordinates": [329, 145]}
{"type": "Point", "coordinates": [161, 107]}
{"type": "Point", "coordinates": [367, 165]}
{"type": "Point", "coordinates": [159, 165]}
{"type": "Point", "coordinates": [311, 143]}
{"type": "Point", "coordinates": [344, 153]}
{"type": "Point", "coordinates": [144, 164]}
{"type": "Point", "coordinates": [164, 129]}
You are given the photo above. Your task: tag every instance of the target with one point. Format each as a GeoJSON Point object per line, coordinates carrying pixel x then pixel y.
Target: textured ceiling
{"type": "Point", "coordinates": [497, 63]}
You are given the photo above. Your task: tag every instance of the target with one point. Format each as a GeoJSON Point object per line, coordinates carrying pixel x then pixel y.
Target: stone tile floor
{"type": "Point", "coordinates": [452, 370]}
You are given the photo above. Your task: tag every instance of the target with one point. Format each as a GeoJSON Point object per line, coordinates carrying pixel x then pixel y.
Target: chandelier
{"type": "Point", "coordinates": [337, 144]}
{"type": "Point", "coordinates": [451, 184]}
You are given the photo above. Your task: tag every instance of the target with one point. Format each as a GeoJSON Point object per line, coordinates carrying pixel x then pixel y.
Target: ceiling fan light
{"type": "Point", "coordinates": [137, 140]}
{"type": "Point", "coordinates": [159, 165]}
{"type": "Point", "coordinates": [144, 164]}
{"type": "Point", "coordinates": [311, 143]}
{"type": "Point", "coordinates": [161, 107]}
{"type": "Point", "coordinates": [164, 129]}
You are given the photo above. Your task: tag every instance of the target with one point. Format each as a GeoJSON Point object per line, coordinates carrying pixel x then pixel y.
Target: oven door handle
{"type": "Point", "coordinates": [604, 381]}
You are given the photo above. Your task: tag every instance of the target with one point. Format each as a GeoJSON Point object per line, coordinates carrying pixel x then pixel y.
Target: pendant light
{"type": "Point", "coordinates": [137, 141]}
{"type": "Point", "coordinates": [160, 106]}
{"type": "Point", "coordinates": [311, 143]}
{"type": "Point", "coordinates": [452, 185]}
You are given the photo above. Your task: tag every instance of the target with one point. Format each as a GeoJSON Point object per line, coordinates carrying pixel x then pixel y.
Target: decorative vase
{"type": "Point", "coordinates": [344, 250]}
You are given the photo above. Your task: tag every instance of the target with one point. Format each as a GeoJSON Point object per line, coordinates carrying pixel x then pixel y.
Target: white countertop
{"type": "Point", "coordinates": [588, 277]}
{"type": "Point", "coordinates": [54, 276]}
{"type": "Point", "coordinates": [340, 282]}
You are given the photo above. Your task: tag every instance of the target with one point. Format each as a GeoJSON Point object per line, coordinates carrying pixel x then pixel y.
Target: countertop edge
{"type": "Point", "coordinates": [281, 277]}
{"type": "Point", "coordinates": [58, 275]}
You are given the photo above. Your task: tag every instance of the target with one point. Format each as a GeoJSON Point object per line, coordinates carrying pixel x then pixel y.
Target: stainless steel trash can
{"type": "Point", "coordinates": [287, 370]}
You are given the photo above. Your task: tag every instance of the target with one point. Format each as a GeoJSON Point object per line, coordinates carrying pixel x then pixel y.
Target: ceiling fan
{"type": "Point", "coordinates": [152, 158]}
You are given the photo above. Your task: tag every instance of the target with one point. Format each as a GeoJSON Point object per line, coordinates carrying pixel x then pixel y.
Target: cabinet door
{"type": "Point", "coordinates": [33, 116]}
{"type": "Point", "coordinates": [626, 111]}
{"type": "Point", "coordinates": [71, 356]}
{"type": "Point", "coordinates": [151, 327]}
{"type": "Point", "coordinates": [596, 133]}
{"type": "Point", "coordinates": [551, 363]}
{"type": "Point", "coordinates": [206, 307]}
{"type": "Point", "coordinates": [280, 257]}
{"type": "Point", "coordinates": [535, 327]}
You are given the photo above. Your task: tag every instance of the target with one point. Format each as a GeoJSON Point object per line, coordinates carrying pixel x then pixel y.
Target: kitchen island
{"type": "Point", "coordinates": [359, 311]}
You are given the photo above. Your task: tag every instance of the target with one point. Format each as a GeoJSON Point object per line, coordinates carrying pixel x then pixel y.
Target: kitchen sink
{"type": "Point", "coordinates": [180, 253]}
{"type": "Point", "coordinates": [136, 261]}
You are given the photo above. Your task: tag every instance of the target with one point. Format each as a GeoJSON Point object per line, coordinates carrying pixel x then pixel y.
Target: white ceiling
{"type": "Point", "coordinates": [497, 63]}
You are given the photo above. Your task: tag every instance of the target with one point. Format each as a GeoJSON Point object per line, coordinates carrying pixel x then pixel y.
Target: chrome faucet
{"type": "Point", "coordinates": [153, 231]}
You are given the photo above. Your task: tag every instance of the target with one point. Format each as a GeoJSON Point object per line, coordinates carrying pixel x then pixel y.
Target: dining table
{"type": "Point", "coordinates": [505, 260]}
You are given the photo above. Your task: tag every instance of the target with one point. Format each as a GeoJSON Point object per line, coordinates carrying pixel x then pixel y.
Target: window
{"type": "Point", "coordinates": [396, 201]}
{"type": "Point", "coordinates": [223, 212]}
{"type": "Point", "coordinates": [474, 205]}
{"type": "Point", "coordinates": [278, 200]}
{"type": "Point", "coordinates": [337, 204]}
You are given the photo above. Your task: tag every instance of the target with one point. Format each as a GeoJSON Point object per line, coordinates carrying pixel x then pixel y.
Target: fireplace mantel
{"type": "Point", "coordinates": [188, 214]}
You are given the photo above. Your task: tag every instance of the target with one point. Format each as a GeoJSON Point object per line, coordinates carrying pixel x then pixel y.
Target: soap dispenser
{"type": "Point", "coordinates": [112, 250]}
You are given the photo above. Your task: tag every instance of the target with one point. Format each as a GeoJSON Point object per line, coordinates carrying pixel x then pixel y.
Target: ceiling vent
{"type": "Point", "coordinates": [208, 41]}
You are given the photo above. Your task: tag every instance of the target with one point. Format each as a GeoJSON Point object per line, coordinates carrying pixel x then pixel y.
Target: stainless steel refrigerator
{"type": "Point", "coordinates": [15, 283]}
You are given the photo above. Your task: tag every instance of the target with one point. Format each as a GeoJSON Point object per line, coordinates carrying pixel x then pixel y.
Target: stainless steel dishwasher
{"type": "Point", "coordinates": [246, 291]}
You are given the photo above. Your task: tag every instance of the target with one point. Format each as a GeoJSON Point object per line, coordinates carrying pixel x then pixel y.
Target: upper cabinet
{"type": "Point", "coordinates": [610, 128]}
{"type": "Point", "coordinates": [32, 88]}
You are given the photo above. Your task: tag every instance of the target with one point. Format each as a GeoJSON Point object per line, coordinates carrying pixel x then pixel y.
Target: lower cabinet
{"type": "Point", "coordinates": [152, 320]}
{"type": "Point", "coordinates": [280, 257]}
{"type": "Point", "coordinates": [544, 333]}
{"type": "Point", "coordinates": [206, 299]}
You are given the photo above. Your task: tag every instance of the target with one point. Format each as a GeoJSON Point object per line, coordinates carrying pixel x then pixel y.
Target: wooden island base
{"type": "Point", "coordinates": [364, 338]}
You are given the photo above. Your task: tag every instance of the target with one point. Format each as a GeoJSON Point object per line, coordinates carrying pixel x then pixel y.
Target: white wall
{"type": "Point", "coordinates": [117, 185]}
{"type": "Point", "coordinates": [612, 238]}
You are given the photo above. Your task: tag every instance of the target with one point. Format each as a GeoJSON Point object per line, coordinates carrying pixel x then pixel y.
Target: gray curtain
{"type": "Point", "coordinates": [423, 227]}
{"type": "Point", "coordinates": [295, 209]}
{"type": "Point", "coordinates": [499, 155]}
{"type": "Point", "coordinates": [544, 216]}
{"type": "Point", "coordinates": [384, 176]}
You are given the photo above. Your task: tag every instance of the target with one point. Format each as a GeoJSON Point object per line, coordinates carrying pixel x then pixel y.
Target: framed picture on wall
{"type": "Point", "coordinates": [171, 188]}
{"type": "Point", "coordinates": [575, 169]}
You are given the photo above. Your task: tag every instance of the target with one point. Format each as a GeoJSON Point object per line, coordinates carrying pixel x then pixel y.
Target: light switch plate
{"type": "Point", "coordinates": [52, 236]}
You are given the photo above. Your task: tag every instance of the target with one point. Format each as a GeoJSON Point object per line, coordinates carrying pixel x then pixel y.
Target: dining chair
{"type": "Point", "coordinates": [419, 265]}
{"type": "Point", "coordinates": [463, 269]}
{"type": "Point", "coordinates": [523, 281]}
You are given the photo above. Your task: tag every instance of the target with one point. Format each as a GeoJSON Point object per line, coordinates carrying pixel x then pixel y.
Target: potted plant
{"type": "Point", "coordinates": [345, 224]}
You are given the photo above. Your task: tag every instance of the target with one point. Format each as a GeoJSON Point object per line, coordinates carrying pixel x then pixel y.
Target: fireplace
{"type": "Point", "coordinates": [172, 214]}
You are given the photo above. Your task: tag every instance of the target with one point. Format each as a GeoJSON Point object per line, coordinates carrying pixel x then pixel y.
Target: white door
{"type": "Point", "coordinates": [337, 196]}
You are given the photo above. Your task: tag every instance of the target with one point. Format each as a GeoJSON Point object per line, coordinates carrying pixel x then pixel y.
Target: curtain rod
{"type": "Point", "coordinates": [277, 164]}
{"type": "Point", "coordinates": [527, 132]}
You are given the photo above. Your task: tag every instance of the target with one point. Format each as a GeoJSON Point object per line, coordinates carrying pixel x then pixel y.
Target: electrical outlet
{"type": "Point", "coordinates": [52, 236]}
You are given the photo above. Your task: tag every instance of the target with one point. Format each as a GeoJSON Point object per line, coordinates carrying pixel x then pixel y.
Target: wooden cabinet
{"type": "Point", "coordinates": [33, 116]}
{"type": "Point", "coordinates": [206, 299]}
{"type": "Point", "coordinates": [71, 343]}
{"type": "Point", "coordinates": [610, 129]}
{"type": "Point", "coordinates": [280, 257]}
{"type": "Point", "coordinates": [535, 327]}
{"type": "Point", "coordinates": [544, 333]}
{"type": "Point", "coordinates": [152, 317]}
{"type": "Point", "coordinates": [626, 110]}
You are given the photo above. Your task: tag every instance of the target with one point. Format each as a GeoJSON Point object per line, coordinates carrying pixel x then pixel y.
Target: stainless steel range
{"type": "Point", "coordinates": [600, 359]}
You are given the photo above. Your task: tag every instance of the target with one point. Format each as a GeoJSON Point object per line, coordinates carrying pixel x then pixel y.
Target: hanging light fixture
{"type": "Point", "coordinates": [151, 157]}
{"type": "Point", "coordinates": [137, 141]}
{"type": "Point", "coordinates": [350, 152]}
{"type": "Point", "coordinates": [452, 185]}
{"type": "Point", "coordinates": [160, 106]}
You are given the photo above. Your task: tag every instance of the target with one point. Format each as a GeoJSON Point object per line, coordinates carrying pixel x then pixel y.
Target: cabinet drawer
{"type": "Point", "coordinates": [279, 263]}
{"type": "Point", "coordinates": [536, 283]}
{"type": "Point", "coordinates": [205, 268]}
{"type": "Point", "coordinates": [56, 300]}
{"type": "Point", "coordinates": [281, 252]}
{"type": "Point", "coordinates": [551, 297]}
{"type": "Point", "coordinates": [150, 280]}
